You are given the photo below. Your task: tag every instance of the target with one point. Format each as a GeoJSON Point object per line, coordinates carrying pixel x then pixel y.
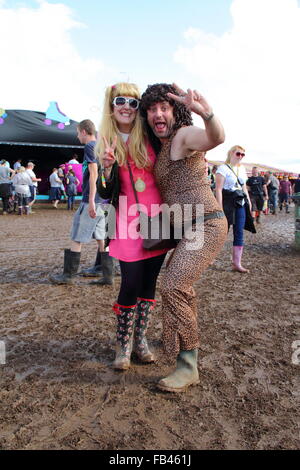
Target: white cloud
{"type": "Point", "coordinates": [251, 75]}
{"type": "Point", "coordinates": [40, 63]}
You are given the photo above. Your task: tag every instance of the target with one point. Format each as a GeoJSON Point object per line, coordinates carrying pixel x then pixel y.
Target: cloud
{"type": "Point", "coordinates": [40, 62]}
{"type": "Point", "coordinates": [251, 76]}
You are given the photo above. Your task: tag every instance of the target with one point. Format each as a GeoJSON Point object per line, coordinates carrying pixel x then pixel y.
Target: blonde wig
{"type": "Point", "coordinates": [233, 149]}
{"type": "Point", "coordinates": [108, 128]}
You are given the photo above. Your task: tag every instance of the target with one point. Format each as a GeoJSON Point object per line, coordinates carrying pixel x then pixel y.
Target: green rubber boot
{"type": "Point", "coordinates": [185, 374]}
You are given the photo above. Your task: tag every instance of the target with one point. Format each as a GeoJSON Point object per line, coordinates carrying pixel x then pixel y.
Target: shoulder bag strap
{"type": "Point", "coordinates": [235, 175]}
{"type": "Point", "coordinates": [133, 187]}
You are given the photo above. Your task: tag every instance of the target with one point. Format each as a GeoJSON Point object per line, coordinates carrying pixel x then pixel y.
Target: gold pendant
{"type": "Point", "coordinates": [140, 185]}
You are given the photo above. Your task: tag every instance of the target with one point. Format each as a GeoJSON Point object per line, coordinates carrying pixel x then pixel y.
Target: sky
{"type": "Point", "coordinates": [242, 55]}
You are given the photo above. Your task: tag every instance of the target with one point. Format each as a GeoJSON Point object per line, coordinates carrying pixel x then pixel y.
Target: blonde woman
{"type": "Point", "coordinates": [121, 149]}
{"type": "Point", "coordinates": [231, 180]}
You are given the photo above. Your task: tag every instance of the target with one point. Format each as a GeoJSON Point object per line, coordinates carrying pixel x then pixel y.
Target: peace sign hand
{"type": "Point", "coordinates": [193, 101]}
{"type": "Point", "coordinates": [109, 153]}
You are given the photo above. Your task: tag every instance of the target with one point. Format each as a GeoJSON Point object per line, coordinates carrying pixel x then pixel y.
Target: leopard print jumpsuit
{"type": "Point", "coordinates": [185, 182]}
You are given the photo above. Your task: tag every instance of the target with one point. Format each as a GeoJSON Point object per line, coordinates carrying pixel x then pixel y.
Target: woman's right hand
{"type": "Point", "coordinates": [109, 153]}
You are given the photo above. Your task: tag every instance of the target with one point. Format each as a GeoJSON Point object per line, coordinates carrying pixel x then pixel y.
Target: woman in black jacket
{"type": "Point", "coordinates": [232, 195]}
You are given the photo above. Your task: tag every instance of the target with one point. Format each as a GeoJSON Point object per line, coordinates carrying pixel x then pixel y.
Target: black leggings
{"type": "Point", "coordinates": [5, 192]}
{"type": "Point", "coordinates": [5, 202]}
{"type": "Point", "coordinates": [139, 279]}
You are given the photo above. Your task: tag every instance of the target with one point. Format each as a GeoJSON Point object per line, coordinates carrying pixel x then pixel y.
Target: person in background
{"type": "Point", "coordinates": [34, 183]}
{"type": "Point", "coordinates": [61, 174]}
{"type": "Point", "coordinates": [208, 173]}
{"type": "Point", "coordinates": [55, 185]}
{"type": "Point", "coordinates": [5, 184]}
{"type": "Point", "coordinates": [89, 219]}
{"type": "Point", "coordinates": [285, 192]}
{"type": "Point", "coordinates": [258, 193]}
{"type": "Point", "coordinates": [296, 185]}
{"type": "Point", "coordinates": [22, 181]}
{"type": "Point", "coordinates": [230, 178]}
{"type": "Point", "coordinates": [6, 164]}
{"type": "Point", "coordinates": [17, 164]}
{"type": "Point", "coordinates": [213, 178]}
{"type": "Point", "coordinates": [71, 188]}
{"type": "Point", "coordinates": [273, 187]}
{"type": "Point", "coordinates": [74, 159]}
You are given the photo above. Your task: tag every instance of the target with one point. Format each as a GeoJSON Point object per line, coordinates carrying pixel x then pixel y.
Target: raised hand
{"type": "Point", "coordinates": [193, 101]}
{"type": "Point", "coordinates": [109, 152]}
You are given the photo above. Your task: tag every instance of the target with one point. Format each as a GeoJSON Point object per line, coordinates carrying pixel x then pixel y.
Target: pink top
{"type": "Point", "coordinates": [128, 244]}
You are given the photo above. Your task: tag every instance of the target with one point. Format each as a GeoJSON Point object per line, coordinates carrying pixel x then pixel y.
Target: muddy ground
{"type": "Point", "coordinates": [58, 390]}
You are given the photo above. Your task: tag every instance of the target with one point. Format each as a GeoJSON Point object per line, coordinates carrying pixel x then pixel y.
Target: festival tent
{"type": "Point", "coordinates": [47, 139]}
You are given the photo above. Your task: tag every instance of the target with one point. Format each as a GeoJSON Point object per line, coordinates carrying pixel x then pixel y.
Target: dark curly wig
{"type": "Point", "coordinates": [155, 94]}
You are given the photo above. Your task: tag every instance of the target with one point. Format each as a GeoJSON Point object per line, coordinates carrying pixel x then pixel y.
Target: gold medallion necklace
{"type": "Point", "coordinates": [140, 185]}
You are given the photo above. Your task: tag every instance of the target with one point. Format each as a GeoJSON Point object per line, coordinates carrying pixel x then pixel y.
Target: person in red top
{"type": "Point", "coordinates": [285, 192]}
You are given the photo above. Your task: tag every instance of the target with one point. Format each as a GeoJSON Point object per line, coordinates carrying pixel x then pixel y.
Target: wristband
{"type": "Point", "coordinates": [209, 117]}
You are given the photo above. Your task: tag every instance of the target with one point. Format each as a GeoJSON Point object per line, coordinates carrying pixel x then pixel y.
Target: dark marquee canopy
{"type": "Point", "coordinates": [47, 139]}
{"type": "Point", "coordinates": [21, 127]}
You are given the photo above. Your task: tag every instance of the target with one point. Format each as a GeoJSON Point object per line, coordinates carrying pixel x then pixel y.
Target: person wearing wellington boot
{"type": "Point", "coordinates": [95, 270]}
{"type": "Point", "coordinates": [181, 176]}
{"type": "Point", "coordinates": [231, 181]}
{"type": "Point", "coordinates": [89, 219]}
{"type": "Point", "coordinates": [5, 184]}
{"type": "Point", "coordinates": [22, 181]}
{"type": "Point", "coordinates": [127, 161]}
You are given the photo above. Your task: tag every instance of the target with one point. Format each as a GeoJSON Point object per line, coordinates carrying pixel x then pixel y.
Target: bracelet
{"type": "Point", "coordinates": [209, 117]}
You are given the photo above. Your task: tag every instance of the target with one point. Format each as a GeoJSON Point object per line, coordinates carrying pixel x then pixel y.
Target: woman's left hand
{"type": "Point", "coordinates": [193, 101]}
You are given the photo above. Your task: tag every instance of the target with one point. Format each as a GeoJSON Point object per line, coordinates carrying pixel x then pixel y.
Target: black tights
{"type": "Point", "coordinates": [139, 279]}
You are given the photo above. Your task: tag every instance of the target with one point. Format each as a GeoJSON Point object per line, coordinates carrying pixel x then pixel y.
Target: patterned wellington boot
{"type": "Point", "coordinates": [143, 317]}
{"type": "Point", "coordinates": [125, 326]}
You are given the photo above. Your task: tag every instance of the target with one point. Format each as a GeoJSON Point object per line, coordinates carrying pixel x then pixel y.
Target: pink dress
{"type": "Point", "coordinates": [128, 244]}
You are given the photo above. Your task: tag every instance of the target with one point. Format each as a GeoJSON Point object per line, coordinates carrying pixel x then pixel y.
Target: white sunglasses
{"type": "Point", "coordinates": [121, 101]}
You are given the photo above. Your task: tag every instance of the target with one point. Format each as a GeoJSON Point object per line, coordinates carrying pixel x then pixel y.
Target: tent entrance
{"type": "Point", "coordinates": [44, 157]}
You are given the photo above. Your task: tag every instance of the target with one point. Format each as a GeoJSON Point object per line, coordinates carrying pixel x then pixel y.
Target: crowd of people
{"type": "Point", "coordinates": [267, 192]}
{"type": "Point", "coordinates": [149, 160]}
{"type": "Point", "coordinates": [17, 187]}
{"type": "Point", "coordinates": [63, 184]}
